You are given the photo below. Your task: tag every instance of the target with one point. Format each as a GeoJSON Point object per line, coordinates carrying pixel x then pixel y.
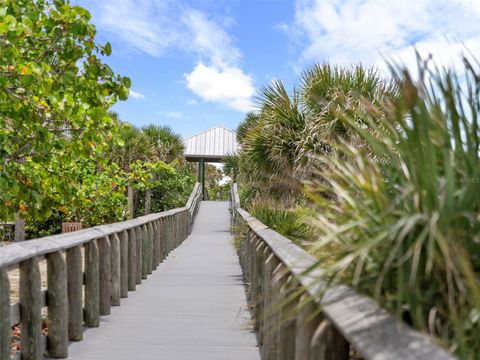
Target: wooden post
{"type": "Point", "coordinates": [30, 308]}
{"type": "Point", "coordinates": [149, 231]}
{"type": "Point", "coordinates": [185, 224]}
{"type": "Point", "coordinates": [105, 270]}
{"type": "Point", "coordinates": [75, 293]}
{"type": "Point", "coordinates": [156, 244]}
{"type": "Point", "coordinates": [92, 285]}
{"type": "Point", "coordinates": [289, 296]}
{"type": "Point", "coordinates": [124, 264]}
{"type": "Point", "coordinates": [175, 232]}
{"type": "Point", "coordinates": [261, 303]}
{"type": "Point", "coordinates": [132, 259]}
{"type": "Point", "coordinates": [270, 265]}
{"type": "Point", "coordinates": [257, 288]}
{"type": "Point", "coordinates": [171, 240]}
{"type": "Point", "coordinates": [57, 299]}
{"type": "Point", "coordinates": [177, 229]}
{"type": "Point", "coordinates": [328, 344]}
{"type": "Point", "coordinates": [167, 235]}
{"type": "Point", "coordinates": [172, 232]}
{"type": "Point", "coordinates": [163, 239]}
{"type": "Point", "coordinates": [145, 252]}
{"type": "Point", "coordinates": [5, 327]}
{"type": "Point", "coordinates": [116, 268]}
{"type": "Point", "coordinates": [278, 279]}
{"type": "Point", "coordinates": [139, 237]}
{"type": "Point", "coordinates": [153, 255]}
{"type": "Point", "coordinates": [306, 324]}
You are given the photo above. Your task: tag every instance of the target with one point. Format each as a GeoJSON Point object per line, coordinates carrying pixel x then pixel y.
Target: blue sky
{"type": "Point", "coordinates": [196, 64]}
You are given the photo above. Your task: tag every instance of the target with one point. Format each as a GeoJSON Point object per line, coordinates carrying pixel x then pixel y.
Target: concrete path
{"type": "Point", "coordinates": [192, 307]}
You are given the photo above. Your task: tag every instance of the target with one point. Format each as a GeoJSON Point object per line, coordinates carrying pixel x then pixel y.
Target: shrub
{"type": "Point", "coordinates": [404, 219]}
{"type": "Point", "coordinates": [288, 222]}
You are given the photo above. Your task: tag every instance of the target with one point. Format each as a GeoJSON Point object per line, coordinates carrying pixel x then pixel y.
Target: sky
{"type": "Point", "coordinates": [200, 63]}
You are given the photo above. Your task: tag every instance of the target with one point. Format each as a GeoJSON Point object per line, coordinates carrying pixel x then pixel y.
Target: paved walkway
{"type": "Point", "coordinates": [192, 307]}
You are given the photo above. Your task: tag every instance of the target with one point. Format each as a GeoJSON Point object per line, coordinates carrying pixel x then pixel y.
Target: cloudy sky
{"type": "Point", "coordinates": [199, 63]}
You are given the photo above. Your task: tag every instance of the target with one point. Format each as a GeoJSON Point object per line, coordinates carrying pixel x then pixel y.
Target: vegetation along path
{"type": "Point", "coordinates": [192, 307]}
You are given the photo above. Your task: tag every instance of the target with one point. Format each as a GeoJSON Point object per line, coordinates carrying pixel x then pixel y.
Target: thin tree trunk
{"type": "Point", "coordinates": [148, 201]}
{"type": "Point", "coordinates": [130, 202]}
{"type": "Point", "coordinates": [19, 228]}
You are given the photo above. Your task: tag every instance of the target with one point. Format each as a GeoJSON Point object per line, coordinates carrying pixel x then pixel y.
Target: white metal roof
{"type": "Point", "coordinates": [214, 143]}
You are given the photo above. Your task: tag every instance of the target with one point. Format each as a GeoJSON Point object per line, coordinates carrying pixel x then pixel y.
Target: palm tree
{"type": "Point", "coordinates": [231, 166]}
{"type": "Point", "coordinates": [165, 144]}
{"type": "Point", "coordinates": [268, 138]}
{"type": "Point", "coordinates": [131, 146]}
{"type": "Point", "coordinates": [328, 93]}
{"type": "Point", "coordinates": [251, 120]}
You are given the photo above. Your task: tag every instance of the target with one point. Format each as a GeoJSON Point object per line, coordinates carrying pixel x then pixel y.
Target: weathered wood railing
{"type": "Point", "coordinates": [297, 318]}
{"type": "Point", "coordinates": [116, 259]}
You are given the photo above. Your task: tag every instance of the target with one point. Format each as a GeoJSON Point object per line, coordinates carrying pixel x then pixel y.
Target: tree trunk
{"type": "Point", "coordinates": [148, 201]}
{"type": "Point", "coordinates": [130, 202]}
{"type": "Point", "coordinates": [19, 228]}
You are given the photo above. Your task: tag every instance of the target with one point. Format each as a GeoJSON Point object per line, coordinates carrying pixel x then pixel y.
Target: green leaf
{"type": "Point", "coordinates": [108, 49]}
{"type": "Point", "coordinates": [127, 82]}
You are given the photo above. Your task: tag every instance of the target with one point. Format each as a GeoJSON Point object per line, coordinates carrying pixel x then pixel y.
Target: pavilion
{"type": "Point", "coordinates": [211, 145]}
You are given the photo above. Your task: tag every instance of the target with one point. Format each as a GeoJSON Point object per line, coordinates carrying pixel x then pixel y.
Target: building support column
{"type": "Point", "coordinates": [201, 175]}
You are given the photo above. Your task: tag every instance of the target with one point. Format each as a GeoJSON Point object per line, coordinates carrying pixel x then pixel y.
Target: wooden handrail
{"type": "Point", "coordinates": [116, 257]}
{"type": "Point", "coordinates": [283, 280]}
{"type": "Point", "coordinates": [15, 253]}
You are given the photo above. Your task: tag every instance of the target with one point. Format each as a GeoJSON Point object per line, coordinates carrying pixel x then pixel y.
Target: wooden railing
{"type": "Point", "coordinates": [297, 317]}
{"type": "Point", "coordinates": [100, 265]}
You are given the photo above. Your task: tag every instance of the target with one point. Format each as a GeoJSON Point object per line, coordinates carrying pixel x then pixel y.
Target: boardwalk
{"type": "Point", "coordinates": [192, 307]}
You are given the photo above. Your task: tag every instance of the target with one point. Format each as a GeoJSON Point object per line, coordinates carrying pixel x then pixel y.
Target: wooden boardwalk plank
{"type": "Point", "coordinates": [192, 307]}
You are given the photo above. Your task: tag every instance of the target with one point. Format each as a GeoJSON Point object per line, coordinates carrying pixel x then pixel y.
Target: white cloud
{"type": "Point", "coordinates": [227, 85]}
{"type": "Point", "coordinates": [210, 40]}
{"type": "Point", "coordinates": [141, 25]}
{"type": "Point", "coordinates": [136, 95]}
{"type": "Point", "coordinates": [368, 31]}
{"type": "Point", "coordinates": [157, 26]}
{"type": "Point", "coordinates": [175, 115]}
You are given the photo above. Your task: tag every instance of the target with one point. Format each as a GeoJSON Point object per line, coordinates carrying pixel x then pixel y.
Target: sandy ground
{"type": "Point", "coordinates": [14, 278]}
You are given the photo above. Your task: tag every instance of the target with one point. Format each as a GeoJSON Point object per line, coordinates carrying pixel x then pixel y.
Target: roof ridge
{"type": "Point", "coordinates": [212, 128]}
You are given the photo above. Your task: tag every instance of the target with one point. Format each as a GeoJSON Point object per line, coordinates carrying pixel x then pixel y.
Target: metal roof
{"type": "Point", "coordinates": [213, 144]}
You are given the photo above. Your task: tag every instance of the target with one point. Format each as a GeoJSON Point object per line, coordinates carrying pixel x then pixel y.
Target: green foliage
{"type": "Point", "coordinates": [404, 219]}
{"type": "Point", "coordinates": [131, 145]}
{"type": "Point", "coordinates": [250, 121]}
{"type": "Point", "coordinates": [231, 166]}
{"type": "Point", "coordinates": [56, 93]}
{"type": "Point", "coordinates": [100, 196]}
{"type": "Point", "coordinates": [290, 223]}
{"type": "Point", "coordinates": [97, 197]}
{"type": "Point", "coordinates": [281, 142]}
{"type": "Point", "coordinates": [171, 184]}
{"type": "Point", "coordinates": [165, 144]}
{"type": "Point", "coordinates": [268, 145]}
{"type": "Point", "coordinates": [327, 94]}
{"type": "Point", "coordinates": [392, 169]}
